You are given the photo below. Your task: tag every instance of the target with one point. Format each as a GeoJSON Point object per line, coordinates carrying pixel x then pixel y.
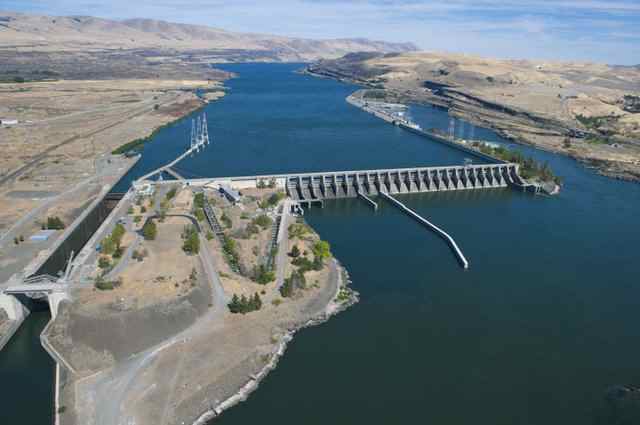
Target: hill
{"type": "Point", "coordinates": [586, 110]}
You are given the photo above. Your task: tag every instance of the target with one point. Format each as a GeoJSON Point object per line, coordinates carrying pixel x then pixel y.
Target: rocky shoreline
{"type": "Point", "coordinates": [334, 307]}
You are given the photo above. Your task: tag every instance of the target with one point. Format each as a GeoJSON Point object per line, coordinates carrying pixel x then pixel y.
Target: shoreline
{"type": "Point", "coordinates": [334, 307]}
{"type": "Point", "coordinates": [601, 166]}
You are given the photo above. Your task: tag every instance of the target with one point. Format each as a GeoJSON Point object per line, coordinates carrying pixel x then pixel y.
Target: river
{"type": "Point", "coordinates": [542, 329]}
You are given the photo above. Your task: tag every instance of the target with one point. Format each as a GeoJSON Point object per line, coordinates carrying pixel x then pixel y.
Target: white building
{"type": "Point", "coordinates": [5, 121]}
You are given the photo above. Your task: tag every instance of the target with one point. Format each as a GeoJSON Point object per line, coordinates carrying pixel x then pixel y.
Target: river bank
{"type": "Point", "coordinates": [337, 305]}
{"type": "Point", "coordinates": [519, 126]}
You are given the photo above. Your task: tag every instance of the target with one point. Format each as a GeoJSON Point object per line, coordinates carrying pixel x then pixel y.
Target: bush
{"type": "Point", "coordinates": [130, 210]}
{"type": "Point", "coordinates": [272, 200]}
{"type": "Point", "coordinates": [138, 255]}
{"type": "Point", "coordinates": [298, 230]}
{"type": "Point", "coordinates": [54, 223]}
{"type": "Point", "coordinates": [226, 221]}
{"type": "Point", "coordinates": [171, 194]}
{"type": "Point", "coordinates": [118, 252]}
{"type": "Point", "coordinates": [150, 230]}
{"type": "Point", "coordinates": [292, 283]}
{"type": "Point", "coordinates": [321, 249]}
{"type": "Point", "coordinates": [303, 264]}
{"type": "Point", "coordinates": [209, 235]}
{"type": "Point", "coordinates": [104, 263]}
{"type": "Point", "coordinates": [263, 221]}
{"type": "Point", "coordinates": [252, 229]}
{"type": "Point", "coordinates": [198, 200]}
{"type": "Point", "coordinates": [143, 209]}
{"type": "Point", "coordinates": [295, 252]}
{"type": "Point", "coordinates": [191, 244]}
{"type": "Point", "coordinates": [262, 275]}
{"type": "Point", "coordinates": [229, 248]}
{"type": "Point", "coordinates": [200, 214]}
{"type": "Point", "coordinates": [106, 285]}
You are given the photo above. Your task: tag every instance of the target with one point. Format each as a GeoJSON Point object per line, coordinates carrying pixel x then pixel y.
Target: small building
{"type": "Point", "coordinates": [232, 195]}
{"type": "Point", "coordinates": [7, 122]}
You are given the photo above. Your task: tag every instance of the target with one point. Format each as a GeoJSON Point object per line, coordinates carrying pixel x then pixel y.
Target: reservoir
{"type": "Point", "coordinates": [542, 328]}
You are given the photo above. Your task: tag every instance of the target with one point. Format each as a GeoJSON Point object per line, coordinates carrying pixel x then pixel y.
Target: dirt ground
{"type": "Point", "coordinates": [67, 128]}
{"type": "Point", "coordinates": [161, 276]}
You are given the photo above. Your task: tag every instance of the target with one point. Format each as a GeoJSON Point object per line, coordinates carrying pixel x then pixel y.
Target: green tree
{"type": "Point", "coordinates": [149, 230]}
{"type": "Point", "coordinates": [198, 200]}
{"type": "Point", "coordinates": [191, 244]}
{"type": "Point", "coordinates": [322, 249]}
{"type": "Point", "coordinates": [263, 275]}
{"type": "Point", "coordinates": [295, 252]}
{"type": "Point", "coordinates": [171, 194]}
{"type": "Point", "coordinates": [200, 214]}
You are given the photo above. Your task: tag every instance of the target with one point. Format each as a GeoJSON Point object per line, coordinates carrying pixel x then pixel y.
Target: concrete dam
{"type": "Point", "coordinates": [310, 187]}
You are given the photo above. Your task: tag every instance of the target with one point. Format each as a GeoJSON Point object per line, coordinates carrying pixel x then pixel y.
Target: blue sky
{"type": "Point", "coordinates": [592, 30]}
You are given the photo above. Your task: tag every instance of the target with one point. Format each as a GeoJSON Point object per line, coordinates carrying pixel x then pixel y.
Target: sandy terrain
{"type": "Point", "coordinates": [539, 103]}
{"type": "Point", "coordinates": [65, 126]}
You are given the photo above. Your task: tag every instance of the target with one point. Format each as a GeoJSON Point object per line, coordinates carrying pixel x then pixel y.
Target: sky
{"type": "Point", "coordinates": [586, 30]}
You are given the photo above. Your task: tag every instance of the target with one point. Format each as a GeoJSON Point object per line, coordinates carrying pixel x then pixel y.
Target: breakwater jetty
{"type": "Point", "coordinates": [444, 235]}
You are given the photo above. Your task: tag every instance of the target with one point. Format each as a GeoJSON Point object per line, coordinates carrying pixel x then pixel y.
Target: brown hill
{"type": "Point", "coordinates": [40, 33]}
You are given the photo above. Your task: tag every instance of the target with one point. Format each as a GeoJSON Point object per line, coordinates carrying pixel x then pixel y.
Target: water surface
{"type": "Point", "coordinates": [540, 329]}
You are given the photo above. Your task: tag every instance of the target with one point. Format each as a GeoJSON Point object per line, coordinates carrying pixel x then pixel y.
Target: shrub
{"type": "Point", "coordinates": [54, 223]}
{"type": "Point", "coordinates": [104, 263]}
{"type": "Point", "coordinates": [252, 229]}
{"type": "Point", "coordinates": [321, 249]}
{"type": "Point", "coordinates": [200, 214]}
{"type": "Point", "coordinates": [118, 252]}
{"type": "Point", "coordinates": [262, 275]}
{"type": "Point", "coordinates": [295, 252]}
{"type": "Point", "coordinates": [209, 235]}
{"type": "Point", "coordinates": [226, 221]}
{"type": "Point", "coordinates": [150, 230]}
{"type": "Point", "coordinates": [263, 221]}
{"type": "Point", "coordinates": [198, 200]}
{"type": "Point", "coordinates": [191, 244]}
{"type": "Point", "coordinates": [171, 193]}
{"type": "Point", "coordinates": [143, 209]}
{"type": "Point", "coordinates": [298, 230]}
{"type": "Point", "coordinates": [272, 200]}
{"type": "Point", "coordinates": [229, 248]}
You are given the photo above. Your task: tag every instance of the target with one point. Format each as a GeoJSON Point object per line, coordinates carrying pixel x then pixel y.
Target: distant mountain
{"type": "Point", "coordinates": [29, 33]}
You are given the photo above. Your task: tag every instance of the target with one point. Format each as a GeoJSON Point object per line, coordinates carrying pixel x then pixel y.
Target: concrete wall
{"type": "Point", "coordinates": [16, 312]}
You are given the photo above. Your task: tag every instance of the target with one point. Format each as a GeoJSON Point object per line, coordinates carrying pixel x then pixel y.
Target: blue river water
{"type": "Point", "coordinates": [543, 327]}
